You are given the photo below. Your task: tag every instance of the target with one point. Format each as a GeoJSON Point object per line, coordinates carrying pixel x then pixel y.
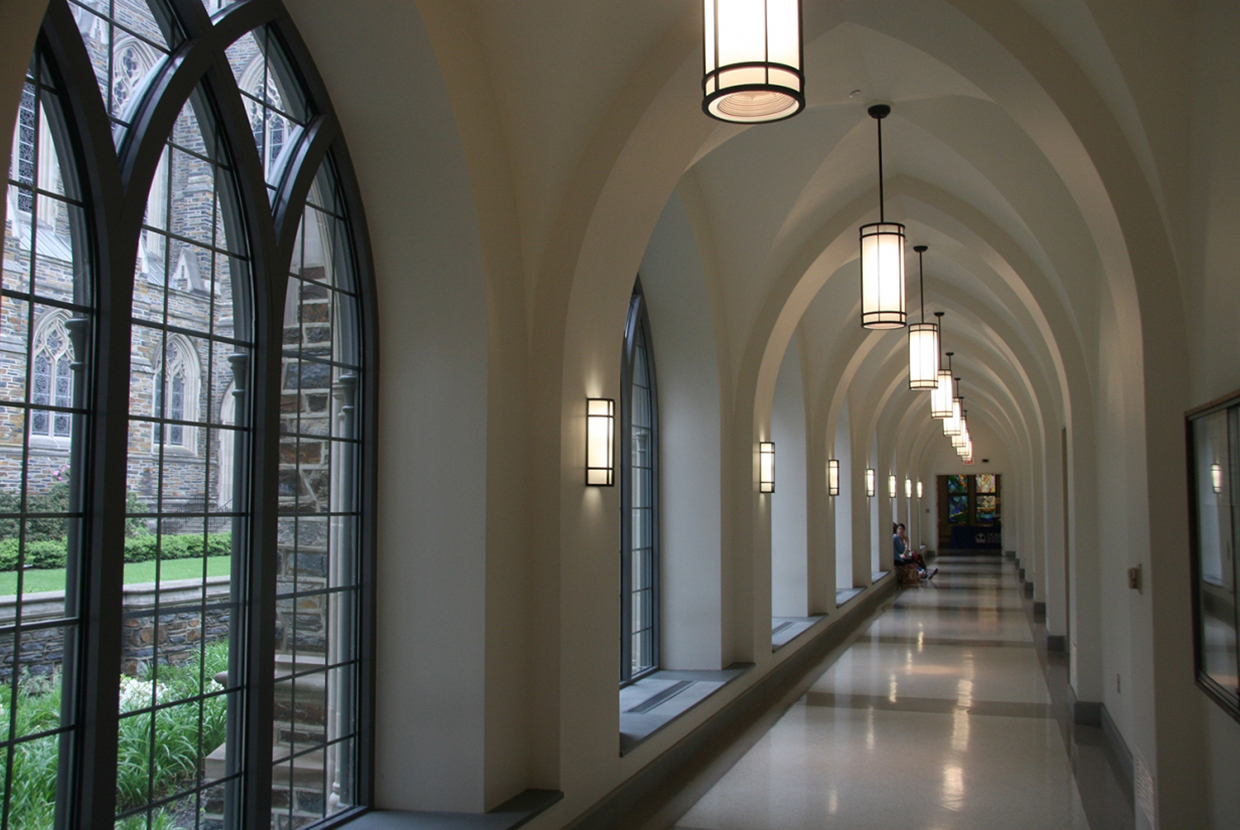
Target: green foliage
{"type": "Point", "coordinates": [143, 548]}
{"type": "Point", "coordinates": [55, 500]}
{"type": "Point", "coordinates": [175, 758]}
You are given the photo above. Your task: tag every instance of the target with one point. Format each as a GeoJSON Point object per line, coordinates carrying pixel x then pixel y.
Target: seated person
{"type": "Point", "coordinates": [905, 555]}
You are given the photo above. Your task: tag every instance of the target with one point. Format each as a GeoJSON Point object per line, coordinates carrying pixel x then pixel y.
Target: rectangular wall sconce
{"type": "Point", "coordinates": [891, 485]}
{"type": "Point", "coordinates": [1216, 476]}
{"type": "Point", "coordinates": [766, 467]}
{"type": "Point", "coordinates": [908, 488]}
{"type": "Point", "coordinates": [871, 482]}
{"type": "Point", "coordinates": [600, 442]}
{"type": "Point", "coordinates": [833, 477]}
{"type": "Point", "coordinates": [919, 489]}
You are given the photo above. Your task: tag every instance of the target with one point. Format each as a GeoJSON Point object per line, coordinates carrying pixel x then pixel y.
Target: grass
{"type": "Point", "coordinates": [54, 579]}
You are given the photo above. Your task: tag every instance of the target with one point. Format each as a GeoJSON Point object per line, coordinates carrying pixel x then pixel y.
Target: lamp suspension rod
{"type": "Point", "coordinates": [921, 278]}
{"type": "Point", "coordinates": [949, 360]}
{"type": "Point", "coordinates": [882, 208]}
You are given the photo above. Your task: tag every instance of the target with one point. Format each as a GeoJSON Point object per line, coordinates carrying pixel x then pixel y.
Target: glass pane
{"type": "Point", "coordinates": [958, 509]}
{"type": "Point", "coordinates": [180, 609]}
{"type": "Point", "coordinates": [18, 242]}
{"type": "Point", "coordinates": [957, 484]}
{"type": "Point", "coordinates": [986, 483]}
{"type": "Point", "coordinates": [987, 509]}
{"type": "Point", "coordinates": [1215, 550]}
{"type": "Point", "coordinates": [317, 544]}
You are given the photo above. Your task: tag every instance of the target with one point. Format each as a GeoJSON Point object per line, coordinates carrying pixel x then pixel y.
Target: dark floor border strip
{"type": "Point", "coordinates": [892, 639]}
{"type": "Point", "coordinates": [930, 705]}
{"type": "Point", "coordinates": [694, 752]}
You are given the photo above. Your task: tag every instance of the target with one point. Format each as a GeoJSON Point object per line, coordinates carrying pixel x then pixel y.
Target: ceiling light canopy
{"type": "Point", "coordinates": [753, 60]}
{"type": "Point", "coordinates": [882, 256]}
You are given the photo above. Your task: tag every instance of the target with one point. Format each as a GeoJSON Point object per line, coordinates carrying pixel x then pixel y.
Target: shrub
{"type": "Point", "coordinates": [55, 500]}
{"type": "Point", "coordinates": [52, 554]}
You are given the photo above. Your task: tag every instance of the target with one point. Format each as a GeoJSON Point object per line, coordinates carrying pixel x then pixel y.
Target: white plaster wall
{"type": "Point", "coordinates": [843, 503]}
{"type": "Point", "coordinates": [433, 407]}
{"type": "Point", "coordinates": [1213, 300]}
{"type": "Point", "coordinates": [789, 519]}
{"type": "Point", "coordinates": [689, 424]}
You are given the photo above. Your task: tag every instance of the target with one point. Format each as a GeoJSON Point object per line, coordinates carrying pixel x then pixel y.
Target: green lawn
{"type": "Point", "coordinates": [54, 579]}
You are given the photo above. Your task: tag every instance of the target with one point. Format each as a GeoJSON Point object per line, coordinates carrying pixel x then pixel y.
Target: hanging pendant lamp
{"type": "Point", "coordinates": [923, 340]}
{"type": "Point", "coordinates": [952, 425]}
{"type": "Point", "coordinates": [882, 256]}
{"type": "Point", "coordinates": [941, 397]}
{"type": "Point", "coordinates": [752, 60]}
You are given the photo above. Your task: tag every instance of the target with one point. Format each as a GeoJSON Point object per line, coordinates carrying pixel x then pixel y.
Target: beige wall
{"type": "Point", "coordinates": [1073, 168]}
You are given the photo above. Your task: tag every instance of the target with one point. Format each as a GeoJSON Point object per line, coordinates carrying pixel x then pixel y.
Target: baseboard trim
{"type": "Point", "coordinates": [1084, 712]}
{"type": "Point", "coordinates": [1028, 590]}
{"type": "Point", "coordinates": [1118, 745]}
{"type": "Point", "coordinates": [1039, 609]}
{"type": "Point", "coordinates": [1056, 642]}
{"type": "Point", "coordinates": [1010, 554]}
{"type": "Point", "coordinates": [713, 735]}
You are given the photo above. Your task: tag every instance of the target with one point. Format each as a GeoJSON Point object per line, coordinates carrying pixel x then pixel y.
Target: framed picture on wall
{"type": "Point", "coordinates": [1213, 435]}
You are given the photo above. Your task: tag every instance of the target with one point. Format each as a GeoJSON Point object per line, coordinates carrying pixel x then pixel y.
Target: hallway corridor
{"type": "Point", "coordinates": [938, 716]}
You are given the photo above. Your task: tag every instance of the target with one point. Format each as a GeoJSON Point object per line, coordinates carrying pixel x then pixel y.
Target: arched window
{"type": "Point", "coordinates": [206, 478]}
{"type": "Point", "coordinates": [176, 390]}
{"type": "Point", "coordinates": [639, 498]}
{"type": "Point", "coordinates": [51, 376]}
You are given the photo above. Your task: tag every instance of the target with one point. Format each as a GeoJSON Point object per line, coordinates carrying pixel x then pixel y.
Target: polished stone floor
{"type": "Point", "coordinates": [940, 715]}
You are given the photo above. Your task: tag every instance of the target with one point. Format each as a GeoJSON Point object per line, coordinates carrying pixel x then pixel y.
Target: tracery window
{"type": "Point", "coordinates": [52, 376]}
{"type": "Point", "coordinates": [176, 389]}
{"type": "Point", "coordinates": [221, 682]}
{"type": "Point", "coordinates": [639, 498]}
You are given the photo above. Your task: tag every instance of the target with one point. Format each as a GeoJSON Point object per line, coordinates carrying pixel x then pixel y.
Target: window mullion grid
{"type": "Point", "coordinates": [626, 518]}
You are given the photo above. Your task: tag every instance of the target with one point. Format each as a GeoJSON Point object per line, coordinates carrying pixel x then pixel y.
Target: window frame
{"type": "Point", "coordinates": [113, 181]}
{"type": "Point", "coordinates": [1227, 699]}
{"type": "Point", "coordinates": [637, 322]}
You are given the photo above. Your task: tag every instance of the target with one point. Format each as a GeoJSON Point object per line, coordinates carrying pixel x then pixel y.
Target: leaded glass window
{"type": "Point", "coordinates": [639, 482]}
{"type": "Point", "coordinates": [215, 587]}
{"type": "Point", "coordinates": [52, 377]}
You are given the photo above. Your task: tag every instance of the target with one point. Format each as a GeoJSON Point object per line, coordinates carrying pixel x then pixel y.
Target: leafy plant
{"type": "Point", "coordinates": [145, 769]}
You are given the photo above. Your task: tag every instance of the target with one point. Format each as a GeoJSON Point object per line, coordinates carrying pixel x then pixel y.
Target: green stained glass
{"type": "Point", "coordinates": [957, 484]}
{"type": "Point", "coordinates": [958, 508]}
{"type": "Point", "coordinates": [987, 509]}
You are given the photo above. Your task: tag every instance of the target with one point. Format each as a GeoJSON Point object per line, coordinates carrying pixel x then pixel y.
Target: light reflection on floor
{"type": "Point", "coordinates": [938, 717]}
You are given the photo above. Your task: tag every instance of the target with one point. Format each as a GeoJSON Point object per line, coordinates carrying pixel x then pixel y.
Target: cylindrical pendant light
{"type": "Point", "coordinates": [951, 426]}
{"type": "Point", "coordinates": [941, 397]}
{"type": "Point", "coordinates": [752, 60]}
{"type": "Point", "coordinates": [882, 256]}
{"type": "Point", "coordinates": [923, 340]}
